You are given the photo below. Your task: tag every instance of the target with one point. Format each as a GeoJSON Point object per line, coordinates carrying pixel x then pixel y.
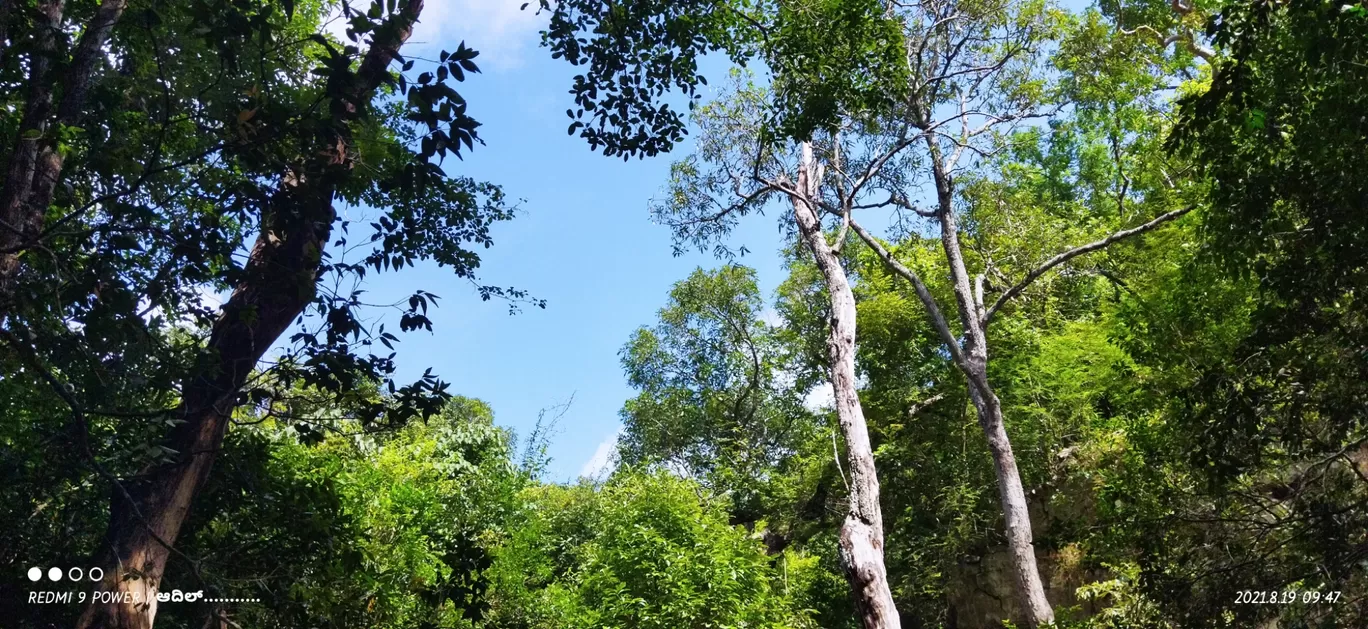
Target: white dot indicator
{"type": "Point", "coordinates": [55, 574]}
{"type": "Point", "coordinates": [35, 573]}
{"type": "Point", "coordinates": [75, 574]}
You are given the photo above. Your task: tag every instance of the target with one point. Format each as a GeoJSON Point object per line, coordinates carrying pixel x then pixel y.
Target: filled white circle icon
{"type": "Point", "coordinates": [55, 574]}
{"type": "Point", "coordinates": [35, 573]}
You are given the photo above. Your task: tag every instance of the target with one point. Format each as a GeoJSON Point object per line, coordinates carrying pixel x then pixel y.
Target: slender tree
{"type": "Point", "coordinates": [736, 171]}
{"type": "Point", "coordinates": [977, 74]}
{"type": "Point", "coordinates": [827, 57]}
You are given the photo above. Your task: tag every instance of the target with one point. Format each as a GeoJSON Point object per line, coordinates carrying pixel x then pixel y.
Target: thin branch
{"type": "Point", "coordinates": [902, 202]}
{"type": "Point", "coordinates": [921, 406]}
{"type": "Point", "coordinates": [924, 294]}
{"type": "Point", "coordinates": [878, 164]}
{"type": "Point", "coordinates": [836, 456]}
{"type": "Point", "coordinates": [1185, 37]}
{"type": "Point", "coordinates": [841, 235]}
{"type": "Point", "coordinates": [1078, 251]}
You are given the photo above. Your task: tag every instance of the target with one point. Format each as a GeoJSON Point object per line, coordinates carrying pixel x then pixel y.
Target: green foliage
{"type": "Point", "coordinates": [715, 403]}
{"type": "Point", "coordinates": [175, 166]}
{"type": "Point", "coordinates": [636, 52]}
{"type": "Point", "coordinates": [387, 530]}
{"type": "Point", "coordinates": [1279, 133]}
{"type": "Point", "coordinates": [1187, 409]}
{"type": "Point", "coordinates": [827, 57]}
{"type": "Point", "coordinates": [643, 551]}
{"type": "Point", "coordinates": [831, 58]}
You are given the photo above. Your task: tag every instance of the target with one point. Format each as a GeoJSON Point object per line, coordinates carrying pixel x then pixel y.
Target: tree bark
{"type": "Point", "coordinates": [280, 281]}
{"type": "Point", "coordinates": [144, 523]}
{"type": "Point", "coordinates": [16, 223]}
{"type": "Point", "coordinates": [972, 360]}
{"type": "Point", "coordinates": [974, 365]}
{"type": "Point", "coordinates": [861, 535]}
{"type": "Point", "coordinates": [35, 164]}
{"type": "Point", "coordinates": [1016, 516]}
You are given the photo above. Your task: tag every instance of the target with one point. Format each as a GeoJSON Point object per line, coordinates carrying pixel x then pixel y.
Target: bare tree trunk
{"type": "Point", "coordinates": [279, 283]}
{"type": "Point", "coordinates": [861, 535]}
{"type": "Point", "coordinates": [973, 361]}
{"type": "Point", "coordinates": [1016, 515]}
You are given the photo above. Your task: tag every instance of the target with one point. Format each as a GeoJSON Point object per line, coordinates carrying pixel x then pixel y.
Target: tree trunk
{"type": "Point", "coordinates": [1014, 509]}
{"type": "Point", "coordinates": [861, 536]}
{"type": "Point", "coordinates": [973, 362]}
{"type": "Point", "coordinates": [145, 522]}
{"type": "Point", "coordinates": [16, 222]}
{"type": "Point", "coordinates": [279, 282]}
{"type": "Point", "coordinates": [35, 163]}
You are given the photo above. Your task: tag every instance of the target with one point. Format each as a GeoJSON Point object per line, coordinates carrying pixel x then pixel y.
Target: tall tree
{"type": "Point", "coordinates": [828, 56]}
{"type": "Point", "coordinates": [736, 172]}
{"type": "Point", "coordinates": [967, 74]}
{"type": "Point", "coordinates": [977, 74]}
{"type": "Point", "coordinates": [145, 155]}
{"type": "Point", "coordinates": [277, 284]}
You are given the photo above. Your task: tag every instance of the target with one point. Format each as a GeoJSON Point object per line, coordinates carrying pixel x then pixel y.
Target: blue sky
{"type": "Point", "coordinates": [584, 242]}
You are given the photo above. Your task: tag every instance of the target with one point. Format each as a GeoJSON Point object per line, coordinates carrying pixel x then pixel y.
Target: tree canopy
{"type": "Point", "coordinates": [1070, 329]}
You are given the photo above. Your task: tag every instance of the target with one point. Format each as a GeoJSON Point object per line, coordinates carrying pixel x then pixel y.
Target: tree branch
{"type": "Point", "coordinates": [1078, 251]}
{"type": "Point", "coordinates": [841, 235]}
{"type": "Point", "coordinates": [928, 301]}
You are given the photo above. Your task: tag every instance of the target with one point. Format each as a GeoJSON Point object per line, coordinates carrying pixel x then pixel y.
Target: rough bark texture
{"type": "Point", "coordinates": [861, 535]}
{"type": "Point", "coordinates": [280, 281]}
{"type": "Point", "coordinates": [16, 223]}
{"type": "Point", "coordinates": [35, 163]}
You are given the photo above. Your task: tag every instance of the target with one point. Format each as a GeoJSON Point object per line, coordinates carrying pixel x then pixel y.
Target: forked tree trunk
{"type": "Point", "coordinates": [279, 282]}
{"type": "Point", "coordinates": [971, 358]}
{"type": "Point", "coordinates": [861, 536]}
{"type": "Point", "coordinates": [973, 363]}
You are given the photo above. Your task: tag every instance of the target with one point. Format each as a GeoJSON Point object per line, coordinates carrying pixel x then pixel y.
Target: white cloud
{"type": "Point", "coordinates": [500, 29]}
{"type": "Point", "coordinates": [604, 459]}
